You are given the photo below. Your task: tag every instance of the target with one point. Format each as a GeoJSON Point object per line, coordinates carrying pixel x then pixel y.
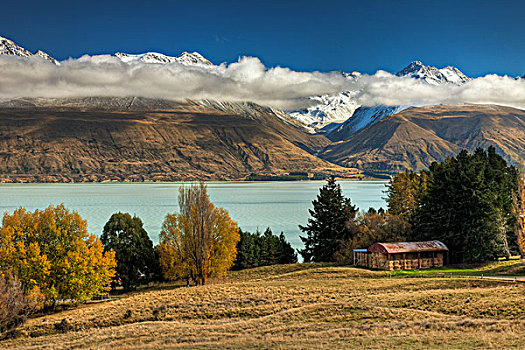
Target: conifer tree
{"type": "Point", "coordinates": [328, 226]}
{"type": "Point", "coordinates": [255, 250]}
{"type": "Point", "coordinates": [469, 206]}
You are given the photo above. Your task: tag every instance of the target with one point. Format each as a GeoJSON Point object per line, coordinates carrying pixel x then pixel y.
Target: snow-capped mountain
{"type": "Point", "coordinates": [333, 114]}
{"type": "Point", "coordinates": [185, 58]}
{"type": "Point", "coordinates": [433, 75]}
{"type": "Point", "coordinates": [362, 117]}
{"type": "Point", "coordinates": [327, 109]}
{"type": "Point", "coordinates": [8, 47]}
{"type": "Point", "coordinates": [341, 107]}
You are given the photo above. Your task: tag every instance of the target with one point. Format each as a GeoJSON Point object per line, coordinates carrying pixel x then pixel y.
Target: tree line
{"type": "Point", "coordinates": [48, 255]}
{"type": "Point", "coordinates": [473, 202]}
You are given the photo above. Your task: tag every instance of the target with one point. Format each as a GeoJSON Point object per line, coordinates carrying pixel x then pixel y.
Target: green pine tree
{"type": "Point", "coordinates": [286, 253]}
{"type": "Point", "coordinates": [328, 226]}
{"type": "Point", "coordinates": [469, 206]}
{"type": "Point", "coordinates": [255, 250]}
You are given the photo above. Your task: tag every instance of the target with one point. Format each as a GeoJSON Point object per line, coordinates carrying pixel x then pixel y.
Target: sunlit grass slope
{"type": "Point", "coordinates": [299, 306]}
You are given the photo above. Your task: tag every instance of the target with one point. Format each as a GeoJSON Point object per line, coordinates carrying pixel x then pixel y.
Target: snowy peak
{"type": "Point", "coordinates": [9, 48]}
{"type": "Point", "coordinates": [363, 117]}
{"type": "Point", "coordinates": [433, 75]}
{"type": "Point", "coordinates": [340, 107]}
{"type": "Point", "coordinates": [327, 109]}
{"type": "Point", "coordinates": [45, 56]}
{"type": "Point", "coordinates": [185, 58]}
{"type": "Point", "coordinates": [193, 58]}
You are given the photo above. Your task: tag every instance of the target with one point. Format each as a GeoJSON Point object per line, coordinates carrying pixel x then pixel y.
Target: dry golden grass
{"type": "Point", "coordinates": [302, 306]}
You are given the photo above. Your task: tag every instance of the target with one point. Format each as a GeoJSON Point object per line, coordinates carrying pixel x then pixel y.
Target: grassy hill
{"type": "Point", "coordinates": [301, 306]}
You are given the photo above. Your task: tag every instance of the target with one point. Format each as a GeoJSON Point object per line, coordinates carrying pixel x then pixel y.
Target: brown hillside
{"type": "Point", "coordinates": [141, 141]}
{"type": "Point", "coordinates": [417, 137]}
{"type": "Point", "coordinates": [300, 306]}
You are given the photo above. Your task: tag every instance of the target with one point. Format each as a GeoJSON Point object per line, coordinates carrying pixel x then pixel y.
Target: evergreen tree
{"type": "Point", "coordinates": [248, 250]}
{"type": "Point", "coordinates": [137, 260]}
{"type": "Point", "coordinates": [469, 206]}
{"type": "Point", "coordinates": [286, 253]}
{"type": "Point", "coordinates": [255, 250]}
{"type": "Point", "coordinates": [328, 226]}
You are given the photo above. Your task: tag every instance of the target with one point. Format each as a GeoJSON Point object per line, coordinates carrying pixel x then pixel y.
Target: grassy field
{"type": "Point", "coordinates": [301, 306]}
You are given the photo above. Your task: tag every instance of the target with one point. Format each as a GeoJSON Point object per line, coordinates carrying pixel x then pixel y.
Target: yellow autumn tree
{"type": "Point", "coordinates": [200, 241]}
{"type": "Point", "coordinates": [51, 250]}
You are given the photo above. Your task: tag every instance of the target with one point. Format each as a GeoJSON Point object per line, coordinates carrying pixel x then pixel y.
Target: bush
{"type": "Point", "coordinates": [15, 304]}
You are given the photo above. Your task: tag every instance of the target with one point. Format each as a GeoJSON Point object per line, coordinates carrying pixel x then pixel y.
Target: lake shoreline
{"type": "Point", "coordinates": [255, 205]}
{"type": "Point", "coordinates": [365, 179]}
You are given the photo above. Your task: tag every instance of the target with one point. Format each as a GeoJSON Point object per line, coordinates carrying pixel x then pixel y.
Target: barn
{"type": "Point", "coordinates": [402, 255]}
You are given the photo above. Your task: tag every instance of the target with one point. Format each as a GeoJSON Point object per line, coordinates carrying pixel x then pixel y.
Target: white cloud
{"type": "Point", "coordinates": [247, 80]}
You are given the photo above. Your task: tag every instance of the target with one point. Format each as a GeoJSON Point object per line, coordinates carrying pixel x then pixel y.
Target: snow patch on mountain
{"type": "Point", "coordinates": [9, 48]}
{"type": "Point", "coordinates": [326, 110]}
{"type": "Point", "coordinates": [363, 117]}
{"type": "Point", "coordinates": [185, 58]}
{"type": "Point", "coordinates": [433, 75]}
{"type": "Point", "coordinates": [338, 108]}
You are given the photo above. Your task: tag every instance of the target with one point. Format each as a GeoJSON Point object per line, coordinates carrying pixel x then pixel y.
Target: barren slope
{"type": "Point", "coordinates": [417, 137]}
{"type": "Point", "coordinates": [148, 140]}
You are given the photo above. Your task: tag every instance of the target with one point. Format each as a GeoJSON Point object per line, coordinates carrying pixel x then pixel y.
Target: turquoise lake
{"type": "Point", "coordinates": [254, 205]}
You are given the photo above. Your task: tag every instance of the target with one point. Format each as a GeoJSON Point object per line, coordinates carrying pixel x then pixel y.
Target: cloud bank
{"type": "Point", "coordinates": [245, 80]}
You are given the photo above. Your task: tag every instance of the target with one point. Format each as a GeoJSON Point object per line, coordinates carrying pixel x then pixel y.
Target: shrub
{"type": "Point", "coordinates": [15, 304]}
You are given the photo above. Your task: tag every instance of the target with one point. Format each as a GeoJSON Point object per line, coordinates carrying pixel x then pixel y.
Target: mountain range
{"type": "Point", "coordinates": [136, 138]}
{"type": "Point", "coordinates": [417, 136]}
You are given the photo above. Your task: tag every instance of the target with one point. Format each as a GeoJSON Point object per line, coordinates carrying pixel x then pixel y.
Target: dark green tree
{"type": "Point", "coordinates": [137, 261]}
{"type": "Point", "coordinates": [286, 253]}
{"type": "Point", "coordinates": [329, 225]}
{"type": "Point", "coordinates": [248, 250]}
{"type": "Point", "coordinates": [256, 249]}
{"type": "Point", "coordinates": [469, 206]}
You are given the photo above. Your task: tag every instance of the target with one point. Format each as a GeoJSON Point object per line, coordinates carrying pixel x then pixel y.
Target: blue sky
{"type": "Point", "coordinates": [479, 37]}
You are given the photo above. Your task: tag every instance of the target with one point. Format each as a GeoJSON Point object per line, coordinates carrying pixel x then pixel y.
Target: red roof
{"type": "Point", "coordinates": [408, 247]}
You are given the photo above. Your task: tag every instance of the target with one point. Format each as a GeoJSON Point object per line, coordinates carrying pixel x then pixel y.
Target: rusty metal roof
{"type": "Point", "coordinates": [408, 247]}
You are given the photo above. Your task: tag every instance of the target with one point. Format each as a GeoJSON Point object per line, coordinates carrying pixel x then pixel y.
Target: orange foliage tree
{"type": "Point", "coordinates": [200, 241]}
{"type": "Point", "coordinates": [51, 250]}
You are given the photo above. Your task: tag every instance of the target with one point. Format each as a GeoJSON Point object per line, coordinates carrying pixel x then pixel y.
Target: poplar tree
{"type": "Point", "coordinates": [52, 253]}
{"type": "Point", "coordinates": [198, 242]}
